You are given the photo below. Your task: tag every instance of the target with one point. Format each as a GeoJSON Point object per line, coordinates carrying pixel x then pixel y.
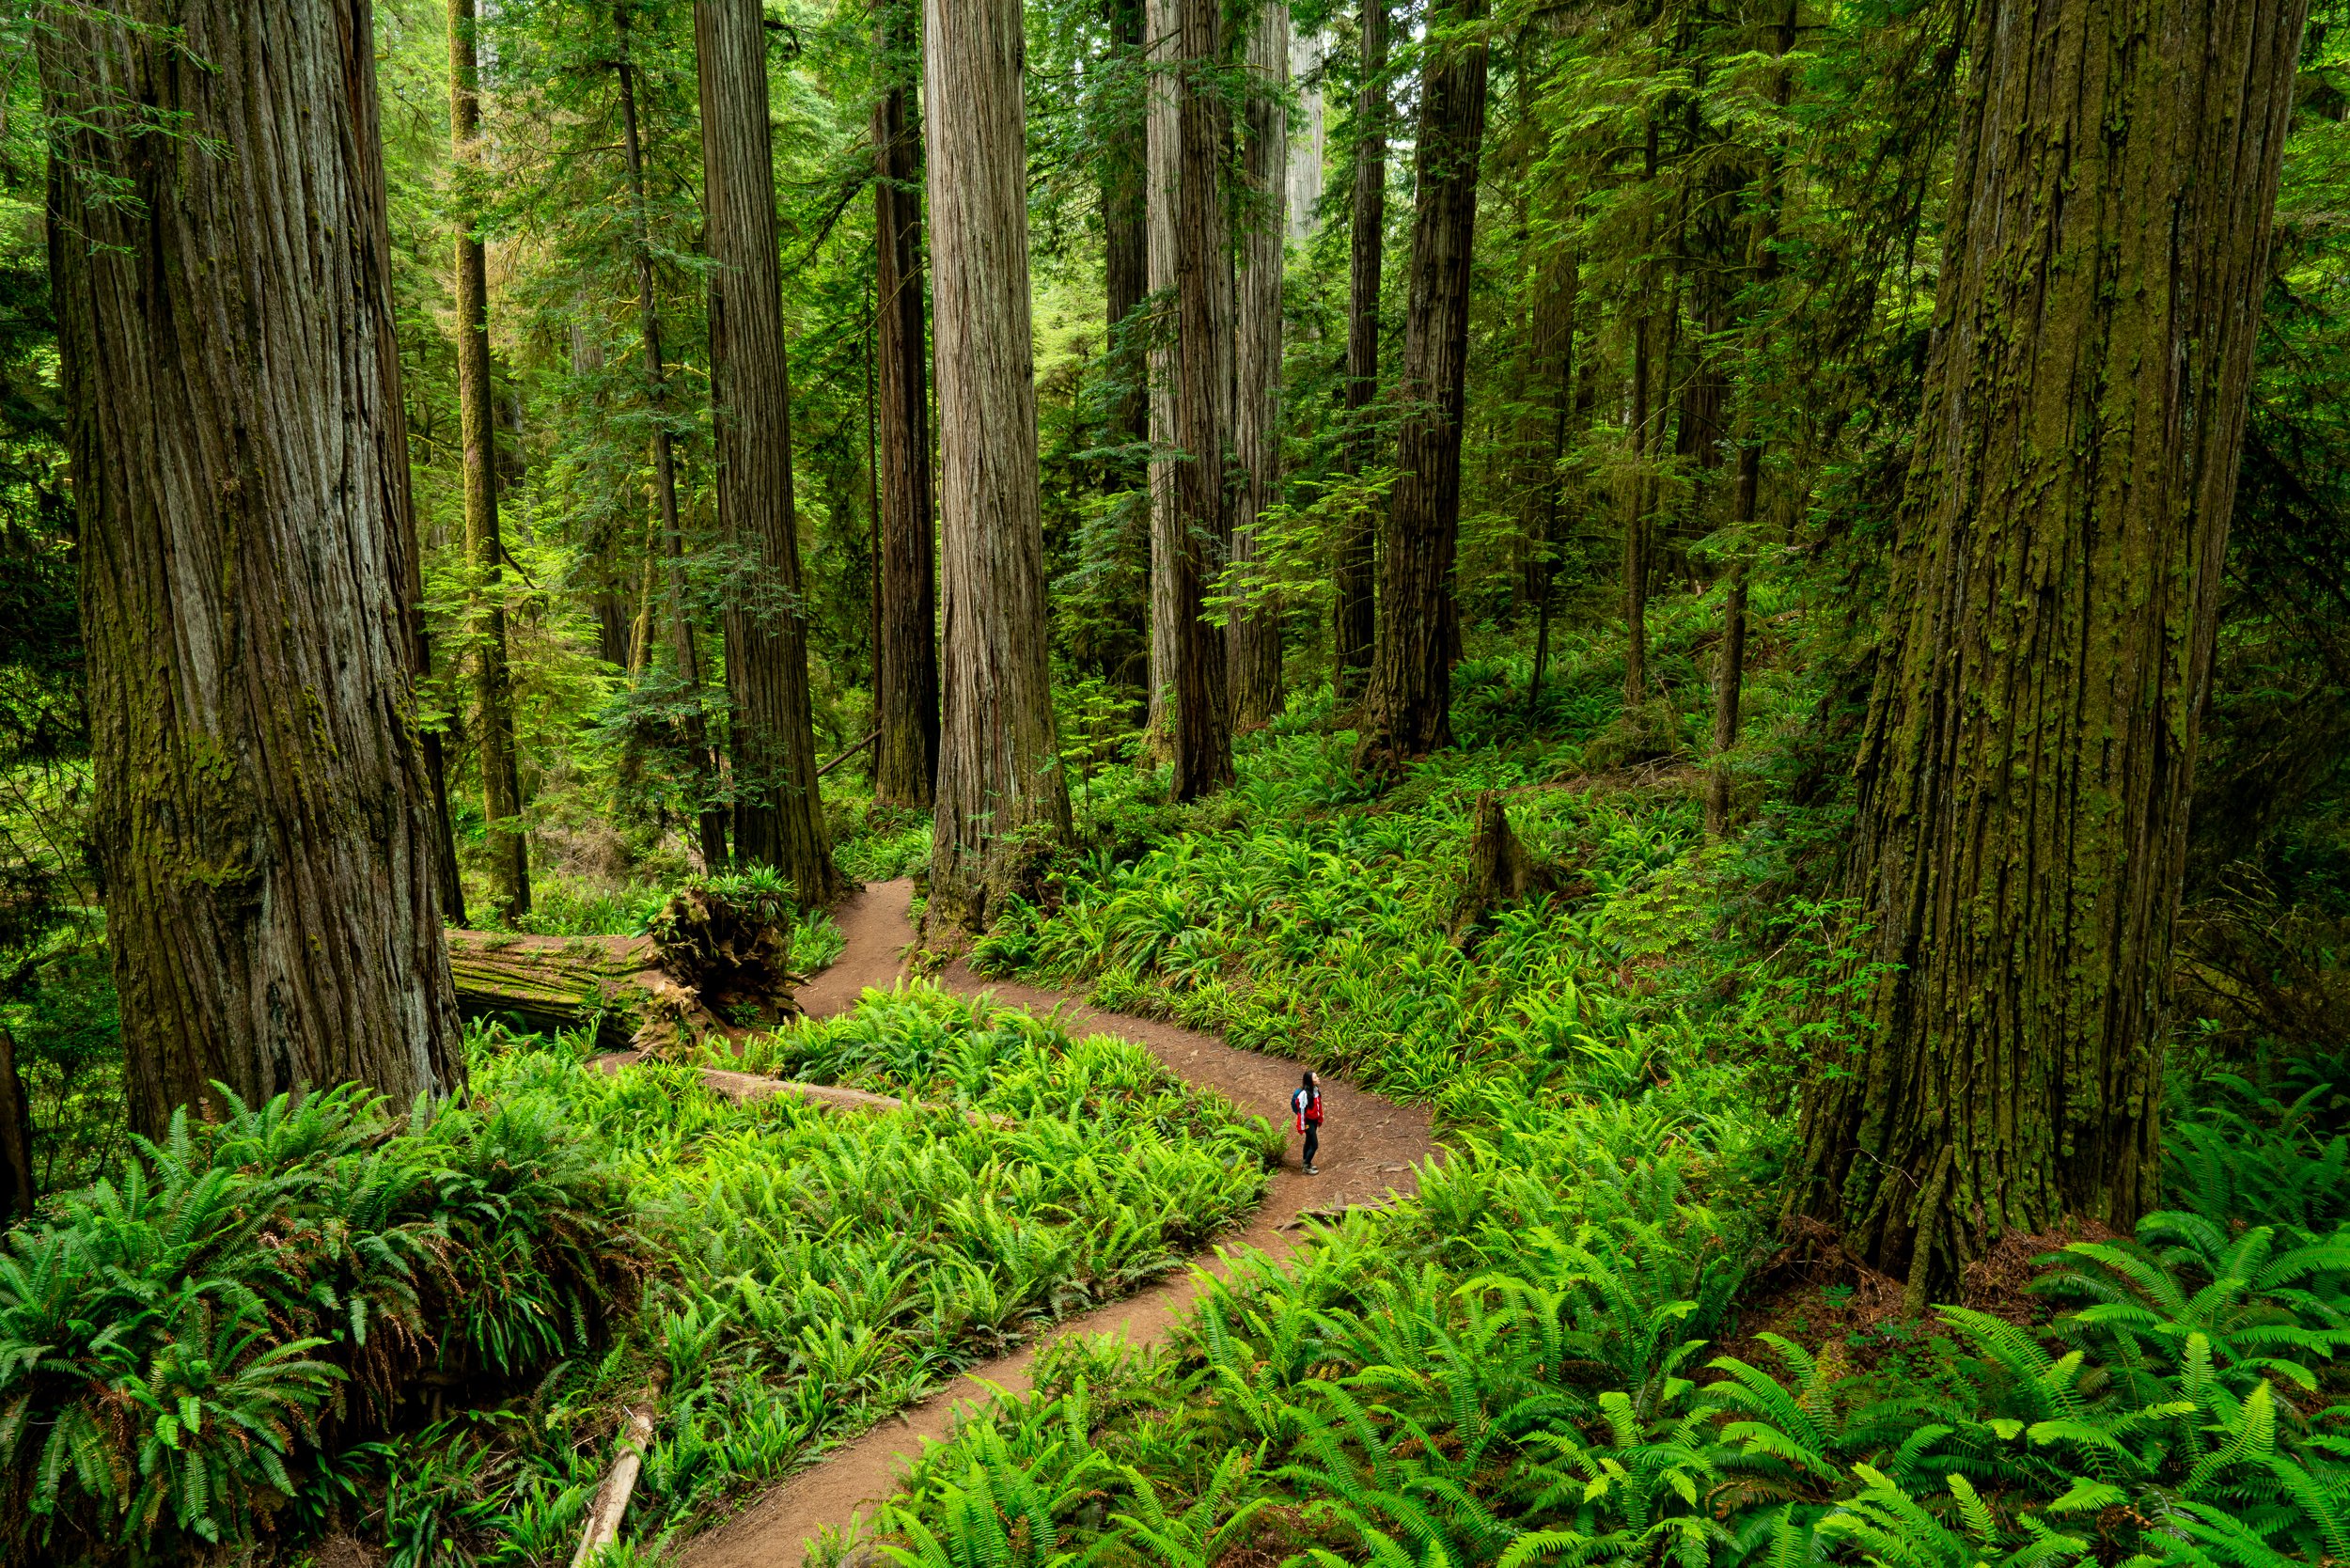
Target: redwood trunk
{"type": "Point", "coordinates": [1126, 241]}
{"type": "Point", "coordinates": [2024, 771]}
{"type": "Point", "coordinates": [778, 808]}
{"type": "Point", "coordinates": [1356, 610]}
{"type": "Point", "coordinates": [485, 548]}
{"type": "Point", "coordinates": [263, 820]}
{"type": "Point", "coordinates": [710, 815]}
{"type": "Point", "coordinates": [906, 696]}
{"type": "Point", "coordinates": [18, 1190]}
{"type": "Point", "coordinates": [1407, 711]}
{"type": "Point", "coordinates": [1639, 489]}
{"type": "Point", "coordinates": [1000, 787]}
{"type": "Point", "coordinates": [1255, 642]}
{"type": "Point", "coordinates": [1197, 529]}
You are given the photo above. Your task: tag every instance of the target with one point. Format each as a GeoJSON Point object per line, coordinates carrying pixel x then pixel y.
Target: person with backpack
{"type": "Point", "coordinates": [1305, 1105]}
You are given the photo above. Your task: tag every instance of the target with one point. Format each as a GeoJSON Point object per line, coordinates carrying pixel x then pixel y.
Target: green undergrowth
{"type": "Point", "coordinates": [817, 1268]}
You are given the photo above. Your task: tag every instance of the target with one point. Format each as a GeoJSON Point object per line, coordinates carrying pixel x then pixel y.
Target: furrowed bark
{"type": "Point", "coordinates": [1255, 629]}
{"type": "Point", "coordinates": [778, 808]}
{"type": "Point", "coordinates": [1000, 787]}
{"type": "Point", "coordinates": [2025, 770]}
{"type": "Point", "coordinates": [710, 818]}
{"type": "Point", "coordinates": [1163, 187]}
{"type": "Point", "coordinates": [1125, 230]}
{"type": "Point", "coordinates": [485, 548]}
{"type": "Point", "coordinates": [264, 816]}
{"type": "Point", "coordinates": [906, 695]}
{"type": "Point", "coordinates": [1358, 542]}
{"type": "Point", "coordinates": [1407, 710]}
{"type": "Point", "coordinates": [1197, 527]}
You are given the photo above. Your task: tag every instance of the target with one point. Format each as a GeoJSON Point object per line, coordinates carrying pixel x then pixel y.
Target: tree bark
{"type": "Point", "coordinates": [2024, 771]}
{"type": "Point", "coordinates": [1197, 380]}
{"type": "Point", "coordinates": [263, 819]}
{"type": "Point", "coordinates": [1407, 710]}
{"type": "Point", "coordinates": [1636, 521]}
{"type": "Point", "coordinates": [711, 813]}
{"type": "Point", "coordinates": [1162, 188]}
{"type": "Point", "coordinates": [1255, 628]}
{"type": "Point", "coordinates": [778, 806]}
{"type": "Point", "coordinates": [1356, 610]}
{"type": "Point", "coordinates": [19, 1192]}
{"type": "Point", "coordinates": [1557, 286]}
{"type": "Point", "coordinates": [1125, 230]}
{"type": "Point", "coordinates": [1730, 668]}
{"type": "Point", "coordinates": [485, 549]}
{"type": "Point", "coordinates": [1001, 795]}
{"type": "Point", "coordinates": [907, 693]}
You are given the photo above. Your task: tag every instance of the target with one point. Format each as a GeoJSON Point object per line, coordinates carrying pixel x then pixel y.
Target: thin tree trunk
{"type": "Point", "coordinates": [265, 820]}
{"type": "Point", "coordinates": [1635, 521]}
{"type": "Point", "coordinates": [485, 550]}
{"type": "Point", "coordinates": [1255, 628]}
{"type": "Point", "coordinates": [1407, 710]}
{"type": "Point", "coordinates": [2024, 771]}
{"type": "Point", "coordinates": [1163, 185]}
{"type": "Point", "coordinates": [907, 693]}
{"type": "Point", "coordinates": [1730, 668]}
{"type": "Point", "coordinates": [1357, 541]}
{"type": "Point", "coordinates": [1001, 792]}
{"type": "Point", "coordinates": [19, 1192]}
{"type": "Point", "coordinates": [1125, 229]}
{"type": "Point", "coordinates": [710, 812]}
{"type": "Point", "coordinates": [1557, 288]}
{"type": "Point", "coordinates": [778, 808]}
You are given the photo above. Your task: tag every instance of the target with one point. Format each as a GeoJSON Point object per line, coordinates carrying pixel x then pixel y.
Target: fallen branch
{"type": "Point", "coordinates": [851, 752]}
{"type": "Point", "coordinates": [603, 1515]}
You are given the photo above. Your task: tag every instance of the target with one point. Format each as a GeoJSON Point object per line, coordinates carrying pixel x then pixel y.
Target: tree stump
{"type": "Point", "coordinates": [1500, 870]}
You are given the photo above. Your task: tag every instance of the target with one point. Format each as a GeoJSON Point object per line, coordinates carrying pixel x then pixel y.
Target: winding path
{"type": "Point", "coordinates": [1368, 1154]}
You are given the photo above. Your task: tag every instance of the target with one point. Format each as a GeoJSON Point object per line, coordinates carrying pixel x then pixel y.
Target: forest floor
{"type": "Point", "coordinates": [1369, 1148]}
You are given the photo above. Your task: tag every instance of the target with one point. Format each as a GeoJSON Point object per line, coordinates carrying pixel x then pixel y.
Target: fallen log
{"type": "Point", "coordinates": [611, 1502]}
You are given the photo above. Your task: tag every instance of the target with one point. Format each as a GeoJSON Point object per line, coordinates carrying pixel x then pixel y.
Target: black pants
{"type": "Point", "coordinates": [1313, 1140]}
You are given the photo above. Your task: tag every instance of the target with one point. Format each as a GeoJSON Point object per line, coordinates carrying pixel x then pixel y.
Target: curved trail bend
{"type": "Point", "coordinates": [1372, 1147]}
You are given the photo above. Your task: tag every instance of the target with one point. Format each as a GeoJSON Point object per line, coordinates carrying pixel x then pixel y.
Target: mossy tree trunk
{"type": "Point", "coordinates": [1354, 612]}
{"type": "Point", "coordinates": [1000, 786]}
{"type": "Point", "coordinates": [906, 702]}
{"type": "Point", "coordinates": [265, 820]}
{"type": "Point", "coordinates": [485, 547]}
{"type": "Point", "coordinates": [2024, 771]}
{"type": "Point", "coordinates": [1407, 710]}
{"type": "Point", "coordinates": [1126, 233]}
{"type": "Point", "coordinates": [1729, 663]}
{"type": "Point", "coordinates": [1254, 642]}
{"type": "Point", "coordinates": [778, 808]}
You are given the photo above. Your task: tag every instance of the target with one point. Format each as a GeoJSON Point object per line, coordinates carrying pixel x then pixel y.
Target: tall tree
{"type": "Point", "coordinates": [2046, 649]}
{"type": "Point", "coordinates": [263, 819]}
{"type": "Point", "coordinates": [906, 699]}
{"type": "Point", "coordinates": [485, 547]}
{"type": "Point", "coordinates": [1639, 486]}
{"type": "Point", "coordinates": [1000, 786]}
{"type": "Point", "coordinates": [711, 813]}
{"type": "Point", "coordinates": [1407, 709]}
{"type": "Point", "coordinates": [1126, 233]}
{"type": "Point", "coordinates": [779, 809]}
{"type": "Point", "coordinates": [1162, 141]}
{"type": "Point", "coordinates": [1730, 668]}
{"type": "Point", "coordinates": [1255, 626]}
{"type": "Point", "coordinates": [1192, 505]}
{"type": "Point", "coordinates": [1366, 246]}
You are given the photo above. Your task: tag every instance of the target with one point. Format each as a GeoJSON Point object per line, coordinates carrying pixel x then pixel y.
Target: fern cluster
{"type": "Point", "coordinates": [177, 1342]}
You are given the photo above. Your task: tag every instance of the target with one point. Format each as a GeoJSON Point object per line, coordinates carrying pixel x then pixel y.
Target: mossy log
{"type": "Point", "coordinates": [625, 988]}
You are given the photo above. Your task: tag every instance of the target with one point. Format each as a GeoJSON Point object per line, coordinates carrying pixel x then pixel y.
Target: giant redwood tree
{"type": "Point", "coordinates": [1000, 787]}
{"type": "Point", "coordinates": [263, 816]}
{"type": "Point", "coordinates": [2025, 768]}
{"type": "Point", "coordinates": [1407, 708]}
{"type": "Point", "coordinates": [905, 696]}
{"type": "Point", "coordinates": [1255, 643]}
{"type": "Point", "coordinates": [1355, 626]}
{"type": "Point", "coordinates": [778, 814]}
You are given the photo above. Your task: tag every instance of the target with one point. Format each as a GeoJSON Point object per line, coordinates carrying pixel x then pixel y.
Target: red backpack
{"type": "Point", "coordinates": [1306, 1103]}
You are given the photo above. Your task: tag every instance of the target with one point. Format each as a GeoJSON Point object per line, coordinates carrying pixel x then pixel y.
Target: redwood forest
{"type": "Point", "coordinates": [1175, 783]}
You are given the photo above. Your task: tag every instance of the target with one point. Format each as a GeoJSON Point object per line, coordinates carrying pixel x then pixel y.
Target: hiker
{"type": "Point", "coordinates": [1305, 1105]}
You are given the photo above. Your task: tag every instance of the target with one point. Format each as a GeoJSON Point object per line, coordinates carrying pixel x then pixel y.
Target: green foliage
{"type": "Point", "coordinates": [175, 1341]}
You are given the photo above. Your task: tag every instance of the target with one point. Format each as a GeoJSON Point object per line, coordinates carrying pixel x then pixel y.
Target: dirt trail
{"type": "Point", "coordinates": [1372, 1147]}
